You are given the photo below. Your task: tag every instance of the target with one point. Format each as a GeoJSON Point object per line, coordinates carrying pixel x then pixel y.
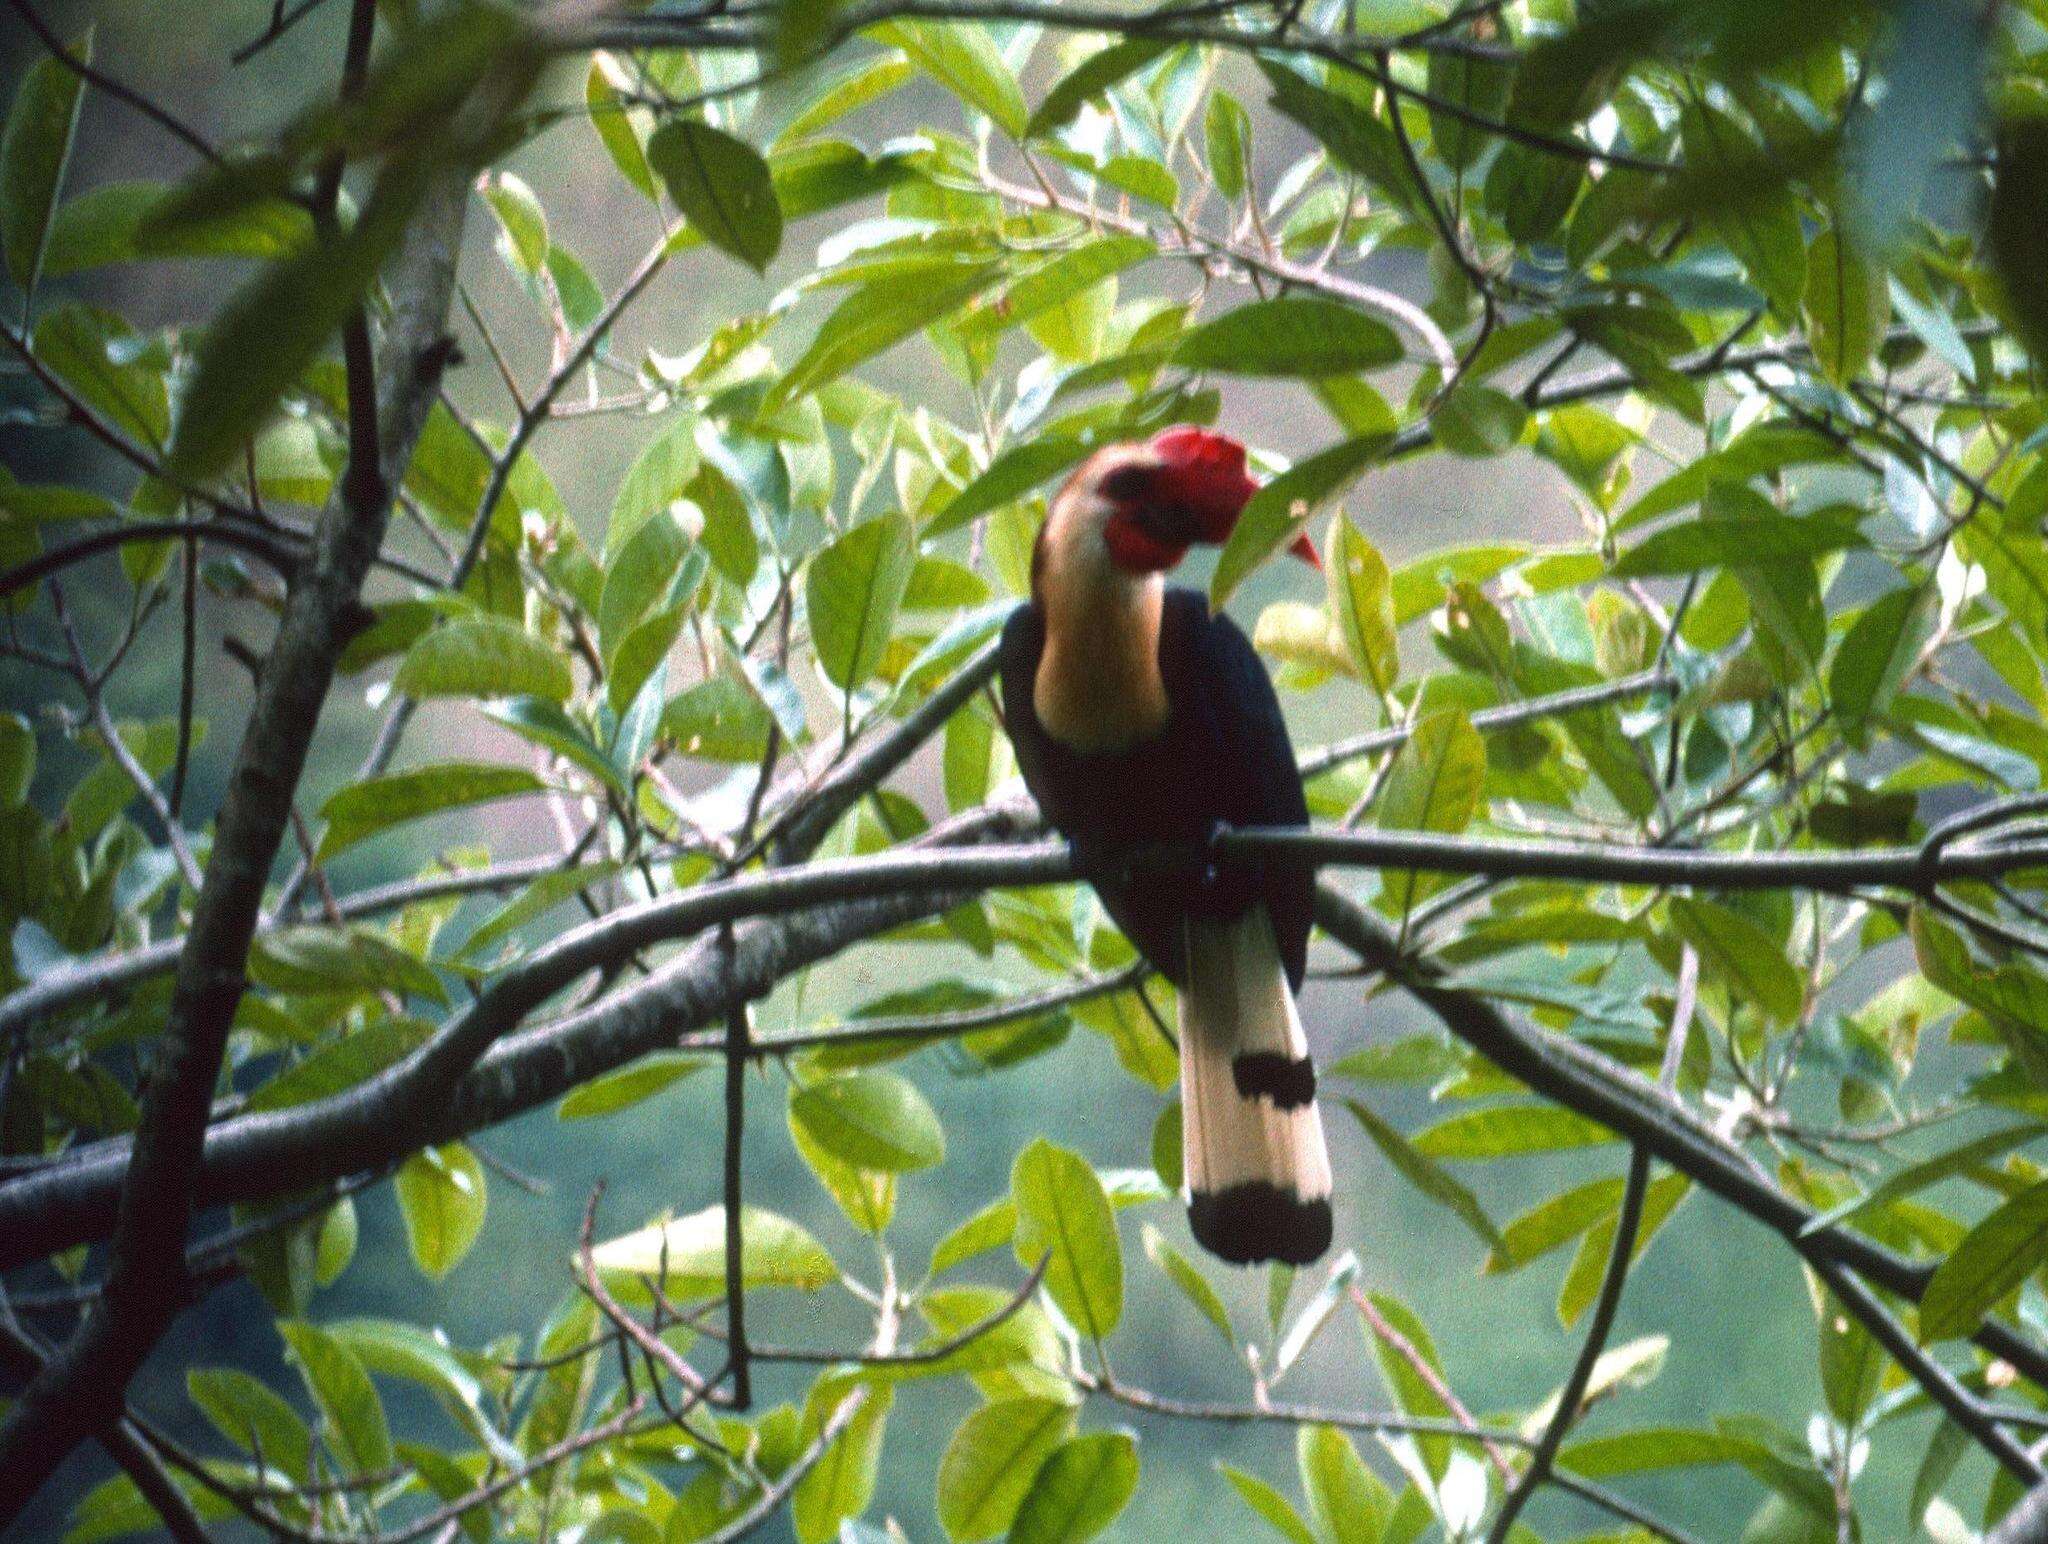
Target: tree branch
{"type": "Point", "coordinates": [24, 1356]}
{"type": "Point", "coordinates": [81, 1388]}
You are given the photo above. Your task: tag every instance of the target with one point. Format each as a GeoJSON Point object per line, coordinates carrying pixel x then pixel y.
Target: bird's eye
{"type": "Point", "coordinates": [1126, 484]}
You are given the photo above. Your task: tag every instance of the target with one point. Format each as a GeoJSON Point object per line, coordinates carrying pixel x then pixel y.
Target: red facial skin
{"type": "Point", "coordinates": [1202, 480]}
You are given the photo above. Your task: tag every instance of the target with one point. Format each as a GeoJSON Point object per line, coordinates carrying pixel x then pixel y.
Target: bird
{"type": "Point", "coordinates": [1140, 719]}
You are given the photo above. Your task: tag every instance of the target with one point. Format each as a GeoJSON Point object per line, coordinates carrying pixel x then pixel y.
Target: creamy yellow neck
{"type": "Point", "coordinates": [1098, 686]}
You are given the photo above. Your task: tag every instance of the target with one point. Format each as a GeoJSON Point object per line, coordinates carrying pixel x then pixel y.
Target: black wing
{"type": "Point", "coordinates": [1218, 686]}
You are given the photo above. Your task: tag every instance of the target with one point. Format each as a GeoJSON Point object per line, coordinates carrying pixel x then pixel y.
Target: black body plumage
{"type": "Point", "coordinates": [1223, 755]}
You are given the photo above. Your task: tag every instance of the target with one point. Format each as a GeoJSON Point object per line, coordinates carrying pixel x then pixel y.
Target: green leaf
{"type": "Point", "coordinates": [1916, 1177]}
{"type": "Point", "coordinates": [1362, 598]}
{"type": "Point", "coordinates": [1426, 1175]}
{"type": "Point", "coordinates": [1846, 306]}
{"type": "Point", "coordinates": [990, 1228]}
{"type": "Point", "coordinates": [95, 353]}
{"type": "Point", "coordinates": [1276, 512]}
{"type": "Point", "coordinates": [335, 1247]}
{"type": "Point", "coordinates": [1510, 1131]}
{"type": "Point", "coordinates": [641, 656]}
{"type": "Point", "coordinates": [876, 317]}
{"type": "Point", "coordinates": [774, 1252]}
{"type": "Point", "coordinates": [483, 657]}
{"type": "Point", "coordinates": [1746, 959]}
{"type": "Point", "coordinates": [603, 94]}
{"type": "Point", "coordinates": [441, 1196]}
{"type": "Point", "coordinates": [1851, 1361]}
{"type": "Point", "coordinates": [522, 221]}
{"type": "Point", "coordinates": [1068, 277]}
{"type": "Point", "coordinates": [853, 591]}
{"type": "Point", "coordinates": [867, 1196]}
{"type": "Point", "coordinates": [963, 59]}
{"type": "Point", "coordinates": [341, 1063]}
{"type": "Point", "coordinates": [1298, 336]}
{"type": "Point", "coordinates": [1478, 421]}
{"type": "Point", "coordinates": [720, 719]}
{"type": "Point", "coordinates": [1226, 137]}
{"type": "Point", "coordinates": [1650, 1450]}
{"type": "Point", "coordinates": [119, 222]}
{"type": "Point", "coordinates": [1554, 1222]}
{"type": "Point", "coordinates": [1193, 1285]}
{"type": "Point", "coordinates": [252, 1417]}
{"type": "Point", "coordinates": [1754, 538]}
{"type": "Point", "coordinates": [34, 149]}
{"type": "Point", "coordinates": [351, 1415]}
{"type": "Point", "coordinates": [843, 1481]}
{"type": "Point", "coordinates": [389, 1348]}
{"type": "Point", "coordinates": [1079, 1490]}
{"type": "Point", "coordinates": [544, 723]}
{"type": "Point", "coordinates": [2012, 996]}
{"type": "Point", "coordinates": [361, 810]}
{"type": "Point", "coordinates": [1064, 1217]}
{"type": "Point", "coordinates": [115, 1508]}
{"type": "Point", "coordinates": [1589, 1265]}
{"type": "Point", "coordinates": [1006, 479]}
{"type": "Point", "coordinates": [1414, 1387]}
{"type": "Point", "coordinates": [1436, 783]}
{"type": "Point", "coordinates": [273, 328]}
{"type": "Point", "coordinates": [1271, 1507]}
{"type": "Point", "coordinates": [536, 900]}
{"type": "Point", "coordinates": [630, 1084]}
{"type": "Point", "coordinates": [1355, 139]}
{"type": "Point", "coordinates": [1018, 1348]}
{"type": "Point", "coordinates": [664, 471]}
{"type": "Point", "coordinates": [1564, 79]}
{"type": "Point", "coordinates": [1994, 1257]}
{"type": "Point", "coordinates": [1093, 77]}
{"type": "Point", "coordinates": [339, 959]}
{"type": "Point", "coordinates": [1480, 86]}
{"type": "Point", "coordinates": [722, 186]}
{"type": "Point", "coordinates": [1347, 1501]}
{"type": "Point", "coordinates": [872, 1120]}
{"type": "Point", "coordinates": [1879, 648]}
{"type": "Point", "coordinates": [866, 82]}
{"type": "Point", "coordinates": [991, 1461]}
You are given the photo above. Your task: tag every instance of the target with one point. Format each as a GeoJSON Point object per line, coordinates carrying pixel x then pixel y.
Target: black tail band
{"type": "Point", "coordinates": [1257, 1220]}
{"type": "Point", "coordinates": [1289, 1081]}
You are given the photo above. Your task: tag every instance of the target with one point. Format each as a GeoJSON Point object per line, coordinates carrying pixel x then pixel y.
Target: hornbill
{"type": "Point", "coordinates": [1139, 719]}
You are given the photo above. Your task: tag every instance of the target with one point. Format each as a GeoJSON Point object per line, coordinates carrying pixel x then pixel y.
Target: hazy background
{"type": "Point", "coordinates": [1734, 1303]}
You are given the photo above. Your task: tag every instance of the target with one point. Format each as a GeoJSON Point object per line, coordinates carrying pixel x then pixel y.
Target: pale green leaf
{"type": "Point", "coordinates": [361, 810]}
{"type": "Point", "coordinates": [442, 1196]}
{"type": "Point", "coordinates": [483, 657]}
{"type": "Point", "coordinates": [1064, 1217]}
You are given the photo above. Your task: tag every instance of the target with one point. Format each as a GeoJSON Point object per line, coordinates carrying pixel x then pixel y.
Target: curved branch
{"type": "Point", "coordinates": [219, 533]}
{"type": "Point", "coordinates": [464, 1077]}
{"type": "Point", "coordinates": [121, 92]}
{"type": "Point", "coordinates": [1560, 1068]}
{"type": "Point", "coordinates": [84, 980]}
{"type": "Point", "coordinates": [1187, 242]}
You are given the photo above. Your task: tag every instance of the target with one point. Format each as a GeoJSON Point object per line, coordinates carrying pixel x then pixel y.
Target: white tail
{"type": "Point", "coordinates": [1257, 1169]}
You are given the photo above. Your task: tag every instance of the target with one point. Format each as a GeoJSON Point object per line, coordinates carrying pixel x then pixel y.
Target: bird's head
{"type": "Point", "coordinates": [1142, 505]}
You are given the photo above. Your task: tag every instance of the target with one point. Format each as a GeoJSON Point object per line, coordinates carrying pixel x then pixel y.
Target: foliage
{"type": "Point", "coordinates": [1708, 829]}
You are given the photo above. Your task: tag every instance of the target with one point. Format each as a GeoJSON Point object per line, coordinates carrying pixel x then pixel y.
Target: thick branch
{"type": "Point", "coordinates": [81, 1388]}
{"type": "Point", "coordinates": [1559, 1068]}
